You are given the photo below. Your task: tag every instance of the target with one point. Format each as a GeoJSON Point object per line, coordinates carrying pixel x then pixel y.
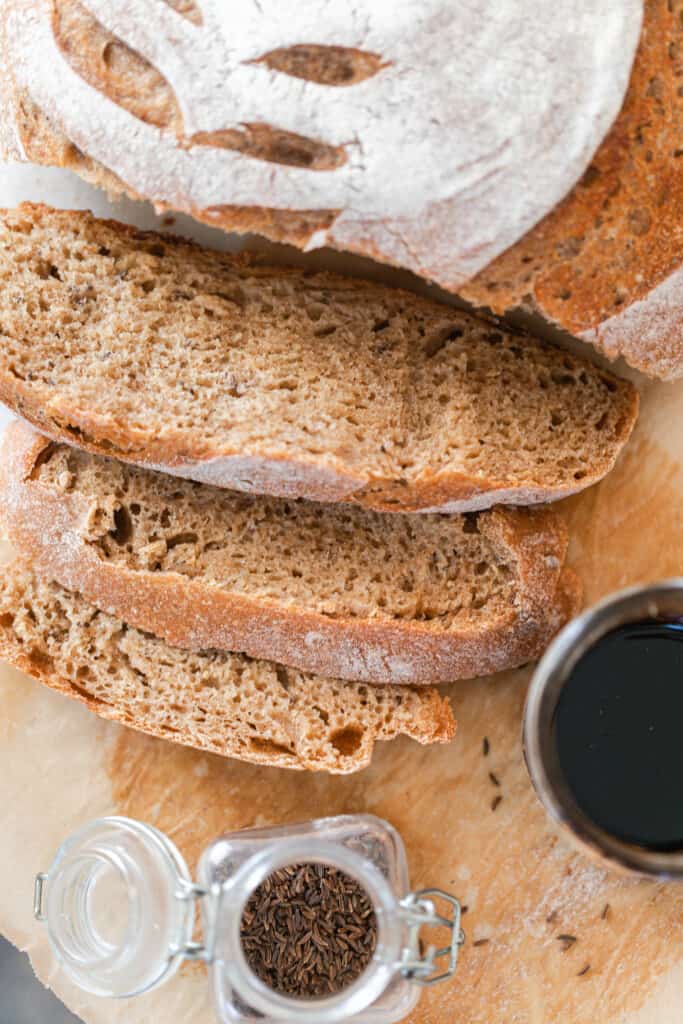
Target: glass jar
{"type": "Point", "coordinates": [119, 905]}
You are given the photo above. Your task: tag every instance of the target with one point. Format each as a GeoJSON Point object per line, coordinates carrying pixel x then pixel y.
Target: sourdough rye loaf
{"type": "Point", "coordinates": [224, 703]}
{"type": "Point", "coordinates": [331, 589]}
{"type": "Point", "coordinates": [605, 263]}
{"type": "Point", "coordinates": [286, 382]}
{"type": "Point", "coordinates": [295, 118]}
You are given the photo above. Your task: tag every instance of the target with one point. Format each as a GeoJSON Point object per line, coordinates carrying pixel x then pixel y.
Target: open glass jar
{"type": "Point", "coordinates": [119, 905]}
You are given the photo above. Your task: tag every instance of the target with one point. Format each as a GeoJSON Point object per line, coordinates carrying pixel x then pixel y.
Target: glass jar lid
{"type": "Point", "coordinates": [117, 901]}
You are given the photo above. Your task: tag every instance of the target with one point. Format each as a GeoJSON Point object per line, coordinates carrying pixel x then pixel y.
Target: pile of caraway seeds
{"type": "Point", "coordinates": [308, 931]}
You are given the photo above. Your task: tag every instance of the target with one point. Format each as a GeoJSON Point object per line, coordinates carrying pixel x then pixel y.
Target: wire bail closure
{"type": "Point", "coordinates": [202, 951]}
{"type": "Point", "coordinates": [419, 911]}
{"type": "Point", "coordinates": [38, 890]}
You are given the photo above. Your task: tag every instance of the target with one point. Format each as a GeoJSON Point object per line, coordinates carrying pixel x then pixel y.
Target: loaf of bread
{"type": "Point", "coordinates": [281, 381]}
{"type": "Point", "coordinates": [330, 589]}
{"type": "Point", "coordinates": [242, 121]}
{"type": "Point", "coordinates": [296, 118]}
{"type": "Point", "coordinates": [224, 703]}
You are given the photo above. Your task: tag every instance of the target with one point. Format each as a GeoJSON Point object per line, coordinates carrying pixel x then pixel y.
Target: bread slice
{"type": "Point", "coordinates": [279, 381]}
{"type": "Point", "coordinates": [224, 703]}
{"type": "Point", "coordinates": [331, 589]}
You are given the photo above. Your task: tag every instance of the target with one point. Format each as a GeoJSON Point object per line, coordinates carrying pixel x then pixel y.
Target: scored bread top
{"type": "Point", "coordinates": [605, 264]}
{"type": "Point", "coordinates": [310, 109]}
{"type": "Point", "coordinates": [279, 380]}
{"type": "Point", "coordinates": [224, 703]}
{"type": "Point", "coordinates": [331, 589]}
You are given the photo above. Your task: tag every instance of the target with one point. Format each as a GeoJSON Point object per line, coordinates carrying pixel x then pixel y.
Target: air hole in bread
{"type": "Point", "coordinates": [265, 746]}
{"type": "Point", "coordinates": [40, 661]}
{"type": "Point", "coordinates": [470, 524]}
{"type": "Point", "coordinates": [562, 378]}
{"type": "Point", "coordinates": [91, 698]}
{"type": "Point", "coordinates": [347, 741]}
{"type": "Point", "coordinates": [434, 344]}
{"type": "Point", "coordinates": [326, 331]}
{"type": "Point", "coordinates": [123, 526]}
{"type": "Point", "coordinates": [87, 439]}
{"type": "Point", "coordinates": [6, 620]}
{"type": "Point", "coordinates": [181, 538]}
{"type": "Point", "coordinates": [282, 676]}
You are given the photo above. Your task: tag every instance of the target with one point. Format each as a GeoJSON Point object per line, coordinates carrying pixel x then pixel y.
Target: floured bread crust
{"type": "Point", "coordinates": [296, 119]}
{"type": "Point", "coordinates": [649, 331]}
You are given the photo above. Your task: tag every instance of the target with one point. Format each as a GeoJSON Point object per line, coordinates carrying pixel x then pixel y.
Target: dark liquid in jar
{"type": "Point", "coordinates": [619, 734]}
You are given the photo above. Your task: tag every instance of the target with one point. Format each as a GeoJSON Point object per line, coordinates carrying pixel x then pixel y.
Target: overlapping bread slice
{"type": "Point", "coordinates": [281, 381]}
{"type": "Point", "coordinates": [224, 703]}
{"type": "Point", "coordinates": [331, 589]}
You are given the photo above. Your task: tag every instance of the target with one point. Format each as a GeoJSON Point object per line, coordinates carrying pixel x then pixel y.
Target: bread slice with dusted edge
{"type": "Point", "coordinates": [224, 703]}
{"type": "Point", "coordinates": [281, 381]}
{"type": "Point", "coordinates": [331, 589]}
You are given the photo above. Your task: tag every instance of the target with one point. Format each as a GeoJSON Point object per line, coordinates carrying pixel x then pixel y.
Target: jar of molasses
{"type": "Point", "coordinates": [314, 922]}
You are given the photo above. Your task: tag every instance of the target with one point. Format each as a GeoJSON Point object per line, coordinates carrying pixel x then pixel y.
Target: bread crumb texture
{"type": "Point", "coordinates": [339, 559]}
{"type": "Point", "coordinates": [287, 381]}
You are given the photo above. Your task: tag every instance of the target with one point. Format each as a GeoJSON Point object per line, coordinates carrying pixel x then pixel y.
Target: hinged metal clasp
{"type": "Point", "coordinates": [38, 891]}
{"type": "Point", "coordinates": [418, 911]}
{"type": "Point", "coordinates": [203, 951]}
